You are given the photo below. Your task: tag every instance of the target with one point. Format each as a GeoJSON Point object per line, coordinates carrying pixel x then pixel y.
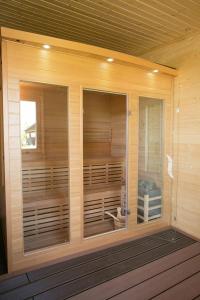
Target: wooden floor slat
{"type": "Point", "coordinates": [135, 277]}
{"type": "Point", "coordinates": [56, 268]}
{"type": "Point", "coordinates": [111, 272]}
{"type": "Point", "coordinates": [162, 282]}
{"type": "Point", "coordinates": [3, 267]}
{"type": "Point", "coordinates": [188, 289]}
{"type": "Point", "coordinates": [76, 286]}
{"type": "Point", "coordinates": [13, 283]}
{"type": "Point", "coordinates": [82, 270]}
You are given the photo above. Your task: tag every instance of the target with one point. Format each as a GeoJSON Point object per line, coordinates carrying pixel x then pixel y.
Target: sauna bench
{"type": "Point", "coordinates": [46, 199]}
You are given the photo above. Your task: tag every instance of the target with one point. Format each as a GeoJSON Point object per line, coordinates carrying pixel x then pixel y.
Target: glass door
{"type": "Point", "coordinates": [105, 170]}
{"type": "Point", "coordinates": [150, 160]}
{"type": "Point", "coordinates": [44, 152]}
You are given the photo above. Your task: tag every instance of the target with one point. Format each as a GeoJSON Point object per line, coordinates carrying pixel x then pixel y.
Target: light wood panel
{"type": "Point", "coordinates": [80, 48]}
{"type": "Point", "coordinates": [186, 186]}
{"type": "Point", "coordinates": [119, 115]}
{"type": "Point", "coordinates": [2, 179]}
{"type": "Point", "coordinates": [97, 132]}
{"type": "Point", "coordinates": [104, 124]}
{"type": "Point", "coordinates": [28, 63]}
{"type": "Point", "coordinates": [55, 124]}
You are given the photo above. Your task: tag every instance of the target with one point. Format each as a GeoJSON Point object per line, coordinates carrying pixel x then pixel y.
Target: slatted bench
{"type": "Point", "coordinates": [46, 211]}
{"type": "Point", "coordinates": [103, 182]}
{"type": "Point", "coordinates": [45, 195]}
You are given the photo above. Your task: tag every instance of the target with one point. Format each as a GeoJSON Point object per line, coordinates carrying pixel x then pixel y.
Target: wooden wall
{"type": "Point", "coordinates": [2, 179]}
{"type": "Point", "coordinates": [186, 183]}
{"type": "Point", "coordinates": [96, 124]}
{"type": "Point", "coordinates": [119, 129]}
{"type": "Point", "coordinates": [33, 63]}
{"type": "Point", "coordinates": [55, 124]}
{"type": "Point", "coordinates": [104, 124]}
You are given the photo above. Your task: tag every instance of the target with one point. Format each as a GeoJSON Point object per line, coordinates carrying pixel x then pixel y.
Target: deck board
{"type": "Point", "coordinates": [151, 288]}
{"type": "Point", "coordinates": [135, 277]}
{"type": "Point", "coordinates": [187, 289]}
{"type": "Point", "coordinates": [3, 268]}
{"type": "Point", "coordinates": [55, 268]}
{"type": "Point", "coordinates": [113, 272]}
{"type": "Point", "coordinates": [13, 283]}
{"type": "Point", "coordinates": [66, 290]}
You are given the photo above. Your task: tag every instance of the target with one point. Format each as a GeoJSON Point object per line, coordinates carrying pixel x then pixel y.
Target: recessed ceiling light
{"type": "Point", "coordinates": [46, 46]}
{"type": "Point", "coordinates": [110, 59]}
{"type": "Point", "coordinates": [155, 71]}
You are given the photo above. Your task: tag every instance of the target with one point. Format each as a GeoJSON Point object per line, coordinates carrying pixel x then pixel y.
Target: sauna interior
{"type": "Point", "coordinates": [104, 161]}
{"type": "Point", "coordinates": [44, 154]}
{"type": "Point", "coordinates": [150, 159]}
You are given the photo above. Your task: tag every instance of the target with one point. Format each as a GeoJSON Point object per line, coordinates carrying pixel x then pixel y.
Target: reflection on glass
{"type": "Point", "coordinates": [104, 172]}
{"type": "Point", "coordinates": [150, 159]}
{"type": "Point", "coordinates": [28, 124]}
{"type": "Point", "coordinates": [44, 148]}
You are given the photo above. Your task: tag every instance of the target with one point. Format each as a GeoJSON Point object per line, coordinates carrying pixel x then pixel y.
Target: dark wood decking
{"type": "Point", "coordinates": [2, 254]}
{"type": "Point", "coordinates": [153, 267]}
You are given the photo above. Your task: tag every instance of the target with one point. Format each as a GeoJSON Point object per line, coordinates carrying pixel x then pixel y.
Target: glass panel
{"type": "Point", "coordinates": [104, 172]}
{"type": "Point", "coordinates": [150, 162]}
{"type": "Point", "coordinates": [28, 124]}
{"type": "Point", "coordinates": [44, 146]}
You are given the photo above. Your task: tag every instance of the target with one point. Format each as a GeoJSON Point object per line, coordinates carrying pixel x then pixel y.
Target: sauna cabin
{"type": "Point", "coordinates": [87, 147]}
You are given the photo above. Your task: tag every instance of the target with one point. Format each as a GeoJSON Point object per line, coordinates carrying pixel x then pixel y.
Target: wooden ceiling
{"type": "Point", "coordinates": [130, 26]}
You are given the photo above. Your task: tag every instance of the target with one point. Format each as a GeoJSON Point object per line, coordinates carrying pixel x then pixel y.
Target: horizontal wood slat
{"type": "Point", "coordinates": [103, 174]}
{"type": "Point", "coordinates": [46, 178]}
{"type": "Point", "coordinates": [46, 208]}
{"type": "Point", "coordinates": [103, 185]}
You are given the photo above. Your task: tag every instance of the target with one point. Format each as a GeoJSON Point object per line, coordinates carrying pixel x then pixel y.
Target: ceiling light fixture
{"type": "Point", "coordinates": [46, 46]}
{"type": "Point", "coordinates": [110, 59]}
{"type": "Point", "coordinates": [155, 71]}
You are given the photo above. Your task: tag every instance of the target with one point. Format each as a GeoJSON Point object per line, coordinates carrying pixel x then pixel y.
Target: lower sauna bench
{"type": "Point", "coordinates": [45, 198]}
{"type": "Point", "coordinates": [104, 191]}
{"type": "Point", "coordinates": [46, 221]}
{"type": "Point", "coordinates": [45, 205]}
{"type": "Point", "coordinates": [96, 203]}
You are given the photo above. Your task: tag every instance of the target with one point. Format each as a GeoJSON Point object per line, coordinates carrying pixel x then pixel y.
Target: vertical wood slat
{"type": "Point", "coordinates": [8, 209]}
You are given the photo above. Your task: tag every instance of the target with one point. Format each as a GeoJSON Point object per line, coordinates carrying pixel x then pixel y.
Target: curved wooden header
{"type": "Point", "coordinates": [33, 38]}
